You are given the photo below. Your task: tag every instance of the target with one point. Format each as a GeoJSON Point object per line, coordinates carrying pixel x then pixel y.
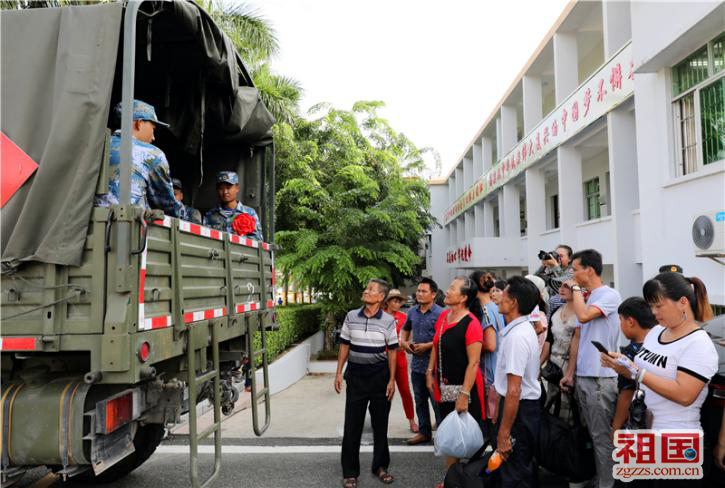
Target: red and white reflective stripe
{"type": "Point", "coordinates": [142, 287]}
{"type": "Point", "coordinates": [212, 313]}
{"type": "Point", "coordinates": [265, 246]}
{"type": "Point", "coordinates": [200, 230]}
{"type": "Point", "coordinates": [247, 307]}
{"type": "Point", "coordinates": [244, 241]}
{"type": "Point", "coordinates": [159, 322]}
{"type": "Point", "coordinates": [270, 303]}
{"type": "Point", "coordinates": [17, 344]}
{"type": "Point", "coordinates": [166, 222]}
{"type": "Point", "coordinates": [148, 323]}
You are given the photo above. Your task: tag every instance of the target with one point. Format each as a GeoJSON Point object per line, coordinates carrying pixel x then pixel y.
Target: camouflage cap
{"type": "Point", "coordinates": [227, 177]}
{"type": "Point", "coordinates": [142, 111]}
{"type": "Point", "coordinates": [176, 183]}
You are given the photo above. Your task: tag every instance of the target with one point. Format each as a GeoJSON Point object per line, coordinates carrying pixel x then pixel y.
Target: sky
{"type": "Point", "coordinates": [440, 67]}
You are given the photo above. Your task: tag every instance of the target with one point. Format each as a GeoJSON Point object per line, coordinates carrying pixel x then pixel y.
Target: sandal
{"type": "Point", "coordinates": [349, 483]}
{"type": "Point", "coordinates": [384, 477]}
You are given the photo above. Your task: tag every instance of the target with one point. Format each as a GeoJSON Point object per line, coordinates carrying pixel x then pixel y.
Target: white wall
{"type": "Point", "coordinates": [552, 188]}
{"type": "Point", "coordinates": [662, 34]}
{"type": "Point", "coordinates": [665, 31]}
{"type": "Point", "coordinates": [598, 166]}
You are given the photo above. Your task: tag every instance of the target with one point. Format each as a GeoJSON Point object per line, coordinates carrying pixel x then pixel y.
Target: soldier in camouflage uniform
{"type": "Point", "coordinates": [190, 213]}
{"type": "Point", "coordinates": [221, 217]}
{"type": "Point", "coordinates": [150, 178]}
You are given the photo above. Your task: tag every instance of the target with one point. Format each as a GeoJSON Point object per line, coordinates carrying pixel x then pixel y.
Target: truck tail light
{"type": "Point", "coordinates": [119, 412]}
{"type": "Point", "coordinates": [144, 351]}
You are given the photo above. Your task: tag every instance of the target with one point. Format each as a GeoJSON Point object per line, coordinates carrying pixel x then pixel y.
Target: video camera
{"type": "Point", "coordinates": [543, 255]}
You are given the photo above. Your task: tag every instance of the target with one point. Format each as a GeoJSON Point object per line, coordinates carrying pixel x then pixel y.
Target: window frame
{"type": "Point", "coordinates": [588, 196]}
{"type": "Point", "coordinates": [694, 91]}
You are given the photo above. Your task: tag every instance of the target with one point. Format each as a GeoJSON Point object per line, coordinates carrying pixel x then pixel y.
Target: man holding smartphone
{"type": "Point", "coordinates": [421, 322]}
{"type": "Point", "coordinates": [595, 386]}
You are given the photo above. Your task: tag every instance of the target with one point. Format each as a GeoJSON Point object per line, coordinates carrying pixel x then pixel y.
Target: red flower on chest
{"type": "Point", "coordinates": [244, 224]}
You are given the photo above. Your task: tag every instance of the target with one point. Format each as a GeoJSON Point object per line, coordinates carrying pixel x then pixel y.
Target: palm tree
{"type": "Point", "coordinates": [256, 41]}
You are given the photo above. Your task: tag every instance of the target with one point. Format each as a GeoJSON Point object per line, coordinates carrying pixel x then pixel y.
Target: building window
{"type": "Point", "coordinates": [698, 87]}
{"type": "Point", "coordinates": [591, 198]}
{"type": "Point", "coordinates": [496, 223]}
{"type": "Point", "coordinates": [555, 211]}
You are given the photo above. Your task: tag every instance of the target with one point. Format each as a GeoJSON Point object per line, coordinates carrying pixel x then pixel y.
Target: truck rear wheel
{"type": "Point", "coordinates": [146, 440]}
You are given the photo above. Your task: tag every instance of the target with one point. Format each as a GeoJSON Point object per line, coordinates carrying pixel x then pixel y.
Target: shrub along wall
{"type": "Point", "coordinates": [296, 322]}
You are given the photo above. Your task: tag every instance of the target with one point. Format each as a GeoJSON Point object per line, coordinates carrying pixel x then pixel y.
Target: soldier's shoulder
{"type": "Point", "coordinates": [211, 213]}
{"type": "Point", "coordinates": [150, 151]}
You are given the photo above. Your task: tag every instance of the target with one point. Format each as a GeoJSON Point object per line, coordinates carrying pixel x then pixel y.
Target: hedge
{"type": "Point", "coordinates": [296, 322]}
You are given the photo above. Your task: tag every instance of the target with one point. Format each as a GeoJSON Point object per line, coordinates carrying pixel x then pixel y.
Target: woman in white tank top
{"type": "Point", "coordinates": [677, 359]}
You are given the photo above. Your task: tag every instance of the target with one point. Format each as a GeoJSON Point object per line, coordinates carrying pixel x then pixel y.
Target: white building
{"type": "Point", "coordinates": [612, 137]}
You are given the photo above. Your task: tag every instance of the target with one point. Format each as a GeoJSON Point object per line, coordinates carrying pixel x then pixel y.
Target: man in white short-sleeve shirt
{"type": "Point", "coordinates": [595, 386]}
{"type": "Point", "coordinates": [516, 382]}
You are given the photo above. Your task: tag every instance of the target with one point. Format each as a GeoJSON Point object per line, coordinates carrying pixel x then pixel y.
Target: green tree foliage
{"type": "Point", "coordinates": [255, 39]}
{"type": "Point", "coordinates": [349, 206]}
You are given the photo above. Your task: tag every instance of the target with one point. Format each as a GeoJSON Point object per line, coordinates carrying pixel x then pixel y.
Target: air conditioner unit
{"type": "Point", "coordinates": [708, 234]}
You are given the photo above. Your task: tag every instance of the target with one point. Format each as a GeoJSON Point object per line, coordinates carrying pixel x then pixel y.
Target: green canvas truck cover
{"type": "Point", "coordinates": [60, 79]}
{"type": "Point", "coordinates": [57, 71]}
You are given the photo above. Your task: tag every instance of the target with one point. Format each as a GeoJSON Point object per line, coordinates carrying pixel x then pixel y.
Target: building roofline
{"type": "Point", "coordinates": [549, 35]}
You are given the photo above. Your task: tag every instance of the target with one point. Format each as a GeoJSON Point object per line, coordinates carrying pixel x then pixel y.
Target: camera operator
{"type": "Point", "coordinates": [555, 269]}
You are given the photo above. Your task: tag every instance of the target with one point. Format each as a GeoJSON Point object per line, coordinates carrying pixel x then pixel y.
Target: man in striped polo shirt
{"type": "Point", "coordinates": [368, 344]}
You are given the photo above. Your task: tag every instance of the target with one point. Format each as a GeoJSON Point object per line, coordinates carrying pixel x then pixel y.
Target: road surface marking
{"type": "Point", "coordinates": [206, 449]}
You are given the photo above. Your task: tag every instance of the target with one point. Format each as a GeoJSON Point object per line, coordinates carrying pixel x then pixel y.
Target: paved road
{"type": "Point", "coordinates": [269, 470]}
{"type": "Point", "coordinates": [301, 449]}
{"type": "Point", "coordinates": [282, 463]}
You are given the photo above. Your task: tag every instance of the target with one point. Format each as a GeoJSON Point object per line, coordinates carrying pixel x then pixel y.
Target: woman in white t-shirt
{"type": "Point", "coordinates": [678, 358]}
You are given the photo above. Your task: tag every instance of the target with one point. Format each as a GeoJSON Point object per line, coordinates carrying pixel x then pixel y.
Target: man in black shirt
{"type": "Point", "coordinates": [635, 320]}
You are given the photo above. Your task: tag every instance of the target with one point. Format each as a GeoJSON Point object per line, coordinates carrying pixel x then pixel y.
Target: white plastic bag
{"type": "Point", "coordinates": [458, 436]}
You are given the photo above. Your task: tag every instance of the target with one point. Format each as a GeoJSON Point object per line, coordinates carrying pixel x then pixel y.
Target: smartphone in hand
{"type": "Point", "coordinates": [600, 347]}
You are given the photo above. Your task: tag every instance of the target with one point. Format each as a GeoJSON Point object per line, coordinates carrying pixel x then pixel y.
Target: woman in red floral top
{"type": "Point", "coordinates": [456, 353]}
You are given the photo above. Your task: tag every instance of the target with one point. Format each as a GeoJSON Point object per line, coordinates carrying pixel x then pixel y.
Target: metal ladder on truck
{"type": "Point", "coordinates": [265, 374]}
{"type": "Point", "coordinates": [195, 381]}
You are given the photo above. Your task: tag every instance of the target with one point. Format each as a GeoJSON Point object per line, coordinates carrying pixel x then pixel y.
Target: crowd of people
{"type": "Point", "coordinates": [505, 351]}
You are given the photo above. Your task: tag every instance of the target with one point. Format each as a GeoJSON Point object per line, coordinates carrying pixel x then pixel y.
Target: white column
{"type": "Point", "coordinates": [625, 198]}
{"type": "Point", "coordinates": [451, 188]}
{"type": "Point", "coordinates": [470, 225]}
{"type": "Point", "coordinates": [617, 25]}
{"type": "Point", "coordinates": [488, 218]}
{"type": "Point", "coordinates": [508, 129]}
{"type": "Point", "coordinates": [461, 230]}
{"type": "Point", "coordinates": [535, 213]}
{"type": "Point", "coordinates": [478, 219]}
{"type": "Point", "coordinates": [459, 181]}
{"type": "Point", "coordinates": [487, 146]}
{"type": "Point", "coordinates": [532, 102]}
{"type": "Point", "coordinates": [499, 141]}
{"type": "Point", "coordinates": [571, 193]}
{"type": "Point", "coordinates": [467, 173]}
{"type": "Point", "coordinates": [477, 160]}
{"type": "Point", "coordinates": [510, 212]}
{"type": "Point", "coordinates": [566, 65]}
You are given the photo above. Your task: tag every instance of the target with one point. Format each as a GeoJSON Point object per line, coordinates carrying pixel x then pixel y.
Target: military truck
{"type": "Point", "coordinates": [116, 321]}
